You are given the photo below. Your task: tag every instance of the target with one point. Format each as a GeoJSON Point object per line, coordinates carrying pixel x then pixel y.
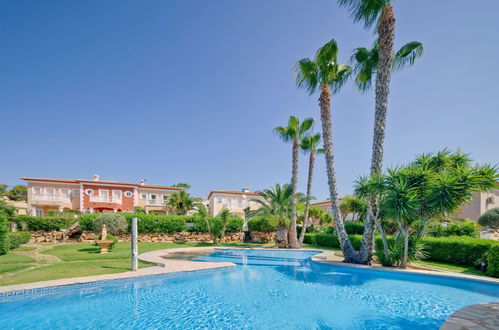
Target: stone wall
{"type": "Point", "coordinates": [88, 236]}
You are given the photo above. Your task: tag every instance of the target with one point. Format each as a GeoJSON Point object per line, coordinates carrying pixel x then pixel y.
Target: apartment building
{"type": "Point", "coordinates": [95, 195]}
{"type": "Point", "coordinates": [481, 203]}
{"type": "Point", "coordinates": [236, 201]}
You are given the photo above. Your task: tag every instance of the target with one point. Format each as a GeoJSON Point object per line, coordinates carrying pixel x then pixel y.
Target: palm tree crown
{"type": "Point", "coordinates": [365, 11]}
{"type": "Point", "coordinates": [310, 143]}
{"type": "Point", "coordinates": [295, 130]}
{"type": "Point", "coordinates": [323, 70]}
{"type": "Point", "coordinates": [365, 61]}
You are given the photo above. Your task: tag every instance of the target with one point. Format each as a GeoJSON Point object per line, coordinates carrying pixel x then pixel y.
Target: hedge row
{"type": "Point", "coordinates": [467, 228]}
{"type": "Point", "coordinates": [42, 223]}
{"type": "Point", "coordinates": [261, 224]}
{"type": "Point", "coordinates": [9, 241]}
{"type": "Point", "coordinates": [331, 240]}
{"type": "Point", "coordinates": [150, 223]}
{"type": "Point", "coordinates": [493, 261]}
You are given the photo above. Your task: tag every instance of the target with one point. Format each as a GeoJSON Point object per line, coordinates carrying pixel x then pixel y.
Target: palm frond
{"type": "Point", "coordinates": [407, 55]}
{"type": "Point", "coordinates": [365, 11]}
{"type": "Point", "coordinates": [307, 75]}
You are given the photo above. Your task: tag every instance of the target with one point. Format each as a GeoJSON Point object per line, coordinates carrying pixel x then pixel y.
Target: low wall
{"type": "Point", "coordinates": [88, 236]}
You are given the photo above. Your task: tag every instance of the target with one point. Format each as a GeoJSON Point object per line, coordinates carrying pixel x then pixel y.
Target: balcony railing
{"type": "Point", "coordinates": [105, 199]}
{"type": "Point", "coordinates": [50, 198]}
{"type": "Point", "coordinates": [154, 202]}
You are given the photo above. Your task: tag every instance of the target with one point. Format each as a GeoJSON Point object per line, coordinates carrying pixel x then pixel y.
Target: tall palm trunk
{"type": "Point", "coordinates": [346, 246]}
{"type": "Point", "coordinates": [293, 240]}
{"type": "Point", "coordinates": [386, 35]}
{"type": "Point", "coordinates": [309, 195]}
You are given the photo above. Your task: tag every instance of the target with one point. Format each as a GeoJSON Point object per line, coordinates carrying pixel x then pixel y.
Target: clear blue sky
{"type": "Point", "coordinates": [189, 91]}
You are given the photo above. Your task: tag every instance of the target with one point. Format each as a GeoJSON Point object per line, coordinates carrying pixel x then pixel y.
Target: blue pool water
{"type": "Point", "coordinates": [267, 290]}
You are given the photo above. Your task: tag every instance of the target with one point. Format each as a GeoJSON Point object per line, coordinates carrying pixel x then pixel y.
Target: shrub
{"type": "Point", "coordinates": [309, 239]}
{"type": "Point", "coordinates": [493, 261]}
{"type": "Point", "coordinates": [354, 228]}
{"type": "Point", "coordinates": [199, 225]}
{"type": "Point", "coordinates": [234, 224]}
{"type": "Point", "coordinates": [467, 228]}
{"type": "Point", "coordinates": [149, 223]}
{"type": "Point", "coordinates": [262, 224]}
{"type": "Point", "coordinates": [457, 250]}
{"type": "Point", "coordinates": [490, 218]}
{"type": "Point", "coordinates": [15, 239]}
{"type": "Point", "coordinates": [43, 223]}
{"type": "Point", "coordinates": [4, 243]}
{"type": "Point", "coordinates": [87, 221]}
{"type": "Point", "coordinates": [331, 240]}
{"type": "Point", "coordinates": [115, 223]}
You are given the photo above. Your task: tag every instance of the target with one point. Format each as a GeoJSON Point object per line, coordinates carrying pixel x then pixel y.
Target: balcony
{"type": "Point", "coordinates": [154, 202]}
{"type": "Point", "coordinates": [105, 199]}
{"type": "Point", "coordinates": [49, 198]}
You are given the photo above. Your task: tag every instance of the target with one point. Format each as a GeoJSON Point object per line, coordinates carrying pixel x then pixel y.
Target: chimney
{"type": "Point", "coordinates": [245, 189]}
{"type": "Point", "coordinates": [142, 181]}
{"type": "Point", "coordinates": [96, 177]}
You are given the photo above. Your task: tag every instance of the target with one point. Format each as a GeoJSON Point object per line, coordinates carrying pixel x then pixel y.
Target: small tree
{"type": "Point", "coordinates": [115, 223]}
{"type": "Point", "coordinates": [216, 225]}
{"type": "Point", "coordinates": [7, 209]}
{"type": "Point", "coordinates": [490, 219]}
{"type": "Point", "coordinates": [18, 193]}
{"type": "Point", "coordinates": [139, 210]}
{"type": "Point", "coordinates": [181, 202]}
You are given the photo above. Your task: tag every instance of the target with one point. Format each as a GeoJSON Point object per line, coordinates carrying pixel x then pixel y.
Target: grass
{"type": "Point", "coordinates": [451, 267]}
{"type": "Point", "coordinates": [81, 259]}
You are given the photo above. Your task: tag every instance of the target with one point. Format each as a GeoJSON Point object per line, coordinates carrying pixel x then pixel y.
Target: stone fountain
{"type": "Point", "coordinates": [103, 242]}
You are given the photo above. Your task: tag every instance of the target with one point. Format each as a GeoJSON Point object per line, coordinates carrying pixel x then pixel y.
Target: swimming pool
{"type": "Point", "coordinates": [268, 289]}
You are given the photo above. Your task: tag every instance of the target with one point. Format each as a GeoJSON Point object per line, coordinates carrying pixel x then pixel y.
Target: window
{"type": "Point", "coordinates": [49, 191]}
{"type": "Point", "coordinates": [89, 192]}
{"type": "Point", "coordinates": [229, 203]}
{"type": "Point", "coordinates": [76, 192]}
{"type": "Point", "coordinates": [128, 194]}
{"type": "Point", "coordinates": [220, 200]}
{"type": "Point", "coordinates": [240, 203]}
{"type": "Point", "coordinates": [39, 212]}
{"type": "Point", "coordinates": [165, 198]}
{"type": "Point", "coordinates": [65, 192]}
{"type": "Point", "coordinates": [37, 190]}
{"type": "Point", "coordinates": [153, 196]}
{"type": "Point", "coordinates": [103, 192]}
{"type": "Point", "coordinates": [143, 196]}
{"type": "Point", "coordinates": [117, 194]}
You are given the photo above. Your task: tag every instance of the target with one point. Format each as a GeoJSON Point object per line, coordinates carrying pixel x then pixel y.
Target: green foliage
{"type": "Point", "coordinates": [355, 228]}
{"type": "Point", "coordinates": [18, 193]}
{"type": "Point", "coordinates": [149, 223]}
{"type": "Point", "coordinates": [262, 224]}
{"type": "Point", "coordinates": [466, 228]}
{"type": "Point", "coordinates": [331, 240]}
{"type": "Point", "coordinates": [15, 239]}
{"type": "Point", "coordinates": [43, 223]}
{"type": "Point", "coordinates": [86, 221]}
{"type": "Point", "coordinates": [309, 239]}
{"type": "Point", "coordinates": [181, 202]}
{"type": "Point", "coordinates": [234, 224]}
{"type": "Point", "coordinates": [493, 261]}
{"type": "Point", "coordinates": [7, 209]}
{"type": "Point", "coordinates": [182, 185]}
{"type": "Point", "coordinates": [457, 250]}
{"type": "Point", "coordinates": [115, 223]}
{"type": "Point", "coordinates": [417, 250]}
{"type": "Point", "coordinates": [276, 204]}
{"type": "Point", "coordinates": [139, 210]}
{"type": "Point", "coordinates": [4, 244]}
{"type": "Point", "coordinates": [490, 218]}
{"type": "Point", "coordinates": [353, 205]}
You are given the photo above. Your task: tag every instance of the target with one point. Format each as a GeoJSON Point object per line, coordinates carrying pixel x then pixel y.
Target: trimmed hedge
{"type": "Point", "coordinates": [493, 261]}
{"type": "Point", "coordinates": [331, 240]}
{"type": "Point", "coordinates": [43, 223]}
{"type": "Point", "coordinates": [4, 243]}
{"type": "Point", "coordinates": [354, 228]}
{"type": "Point", "coordinates": [461, 250]}
{"type": "Point", "coordinates": [467, 228]}
{"type": "Point", "coordinates": [151, 223]}
{"type": "Point", "coordinates": [261, 224]}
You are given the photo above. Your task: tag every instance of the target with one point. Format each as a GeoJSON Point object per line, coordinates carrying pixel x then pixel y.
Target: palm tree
{"type": "Point", "coordinates": [181, 202]}
{"type": "Point", "coordinates": [365, 62]}
{"type": "Point", "coordinates": [309, 144]}
{"type": "Point", "coordinates": [381, 12]}
{"type": "Point", "coordinates": [277, 207]}
{"type": "Point", "coordinates": [328, 75]}
{"type": "Point", "coordinates": [293, 133]}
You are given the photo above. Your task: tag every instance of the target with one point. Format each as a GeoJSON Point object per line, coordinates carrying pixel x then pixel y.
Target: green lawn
{"type": "Point", "coordinates": [451, 267]}
{"type": "Point", "coordinates": [81, 259]}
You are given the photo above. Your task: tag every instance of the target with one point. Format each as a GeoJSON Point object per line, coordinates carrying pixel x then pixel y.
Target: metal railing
{"type": "Point", "coordinates": [50, 198]}
{"type": "Point", "coordinates": [105, 199]}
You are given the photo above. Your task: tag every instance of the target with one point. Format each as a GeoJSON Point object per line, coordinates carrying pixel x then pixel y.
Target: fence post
{"type": "Point", "coordinates": [135, 250]}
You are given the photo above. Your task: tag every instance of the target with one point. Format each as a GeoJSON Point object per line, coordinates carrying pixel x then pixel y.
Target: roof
{"type": "Point", "coordinates": [232, 192]}
{"type": "Point", "coordinates": [77, 181]}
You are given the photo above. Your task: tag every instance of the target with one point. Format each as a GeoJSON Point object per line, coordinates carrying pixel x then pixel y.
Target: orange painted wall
{"type": "Point", "coordinates": [126, 202]}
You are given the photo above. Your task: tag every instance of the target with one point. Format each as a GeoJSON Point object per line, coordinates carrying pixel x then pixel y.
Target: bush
{"type": "Point", "coordinates": [87, 221]}
{"type": "Point", "coordinates": [457, 250]}
{"type": "Point", "coordinates": [235, 224]}
{"type": "Point", "coordinates": [149, 223]}
{"type": "Point", "coordinates": [331, 240]}
{"type": "Point", "coordinates": [115, 223]}
{"type": "Point", "coordinates": [4, 243]}
{"type": "Point", "coordinates": [354, 228]}
{"type": "Point", "coordinates": [43, 223]}
{"type": "Point", "coordinates": [309, 239]}
{"type": "Point", "coordinates": [490, 218]}
{"type": "Point", "coordinates": [15, 239]}
{"type": "Point", "coordinates": [262, 224]}
{"type": "Point", "coordinates": [493, 261]}
{"type": "Point", "coordinates": [467, 228]}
